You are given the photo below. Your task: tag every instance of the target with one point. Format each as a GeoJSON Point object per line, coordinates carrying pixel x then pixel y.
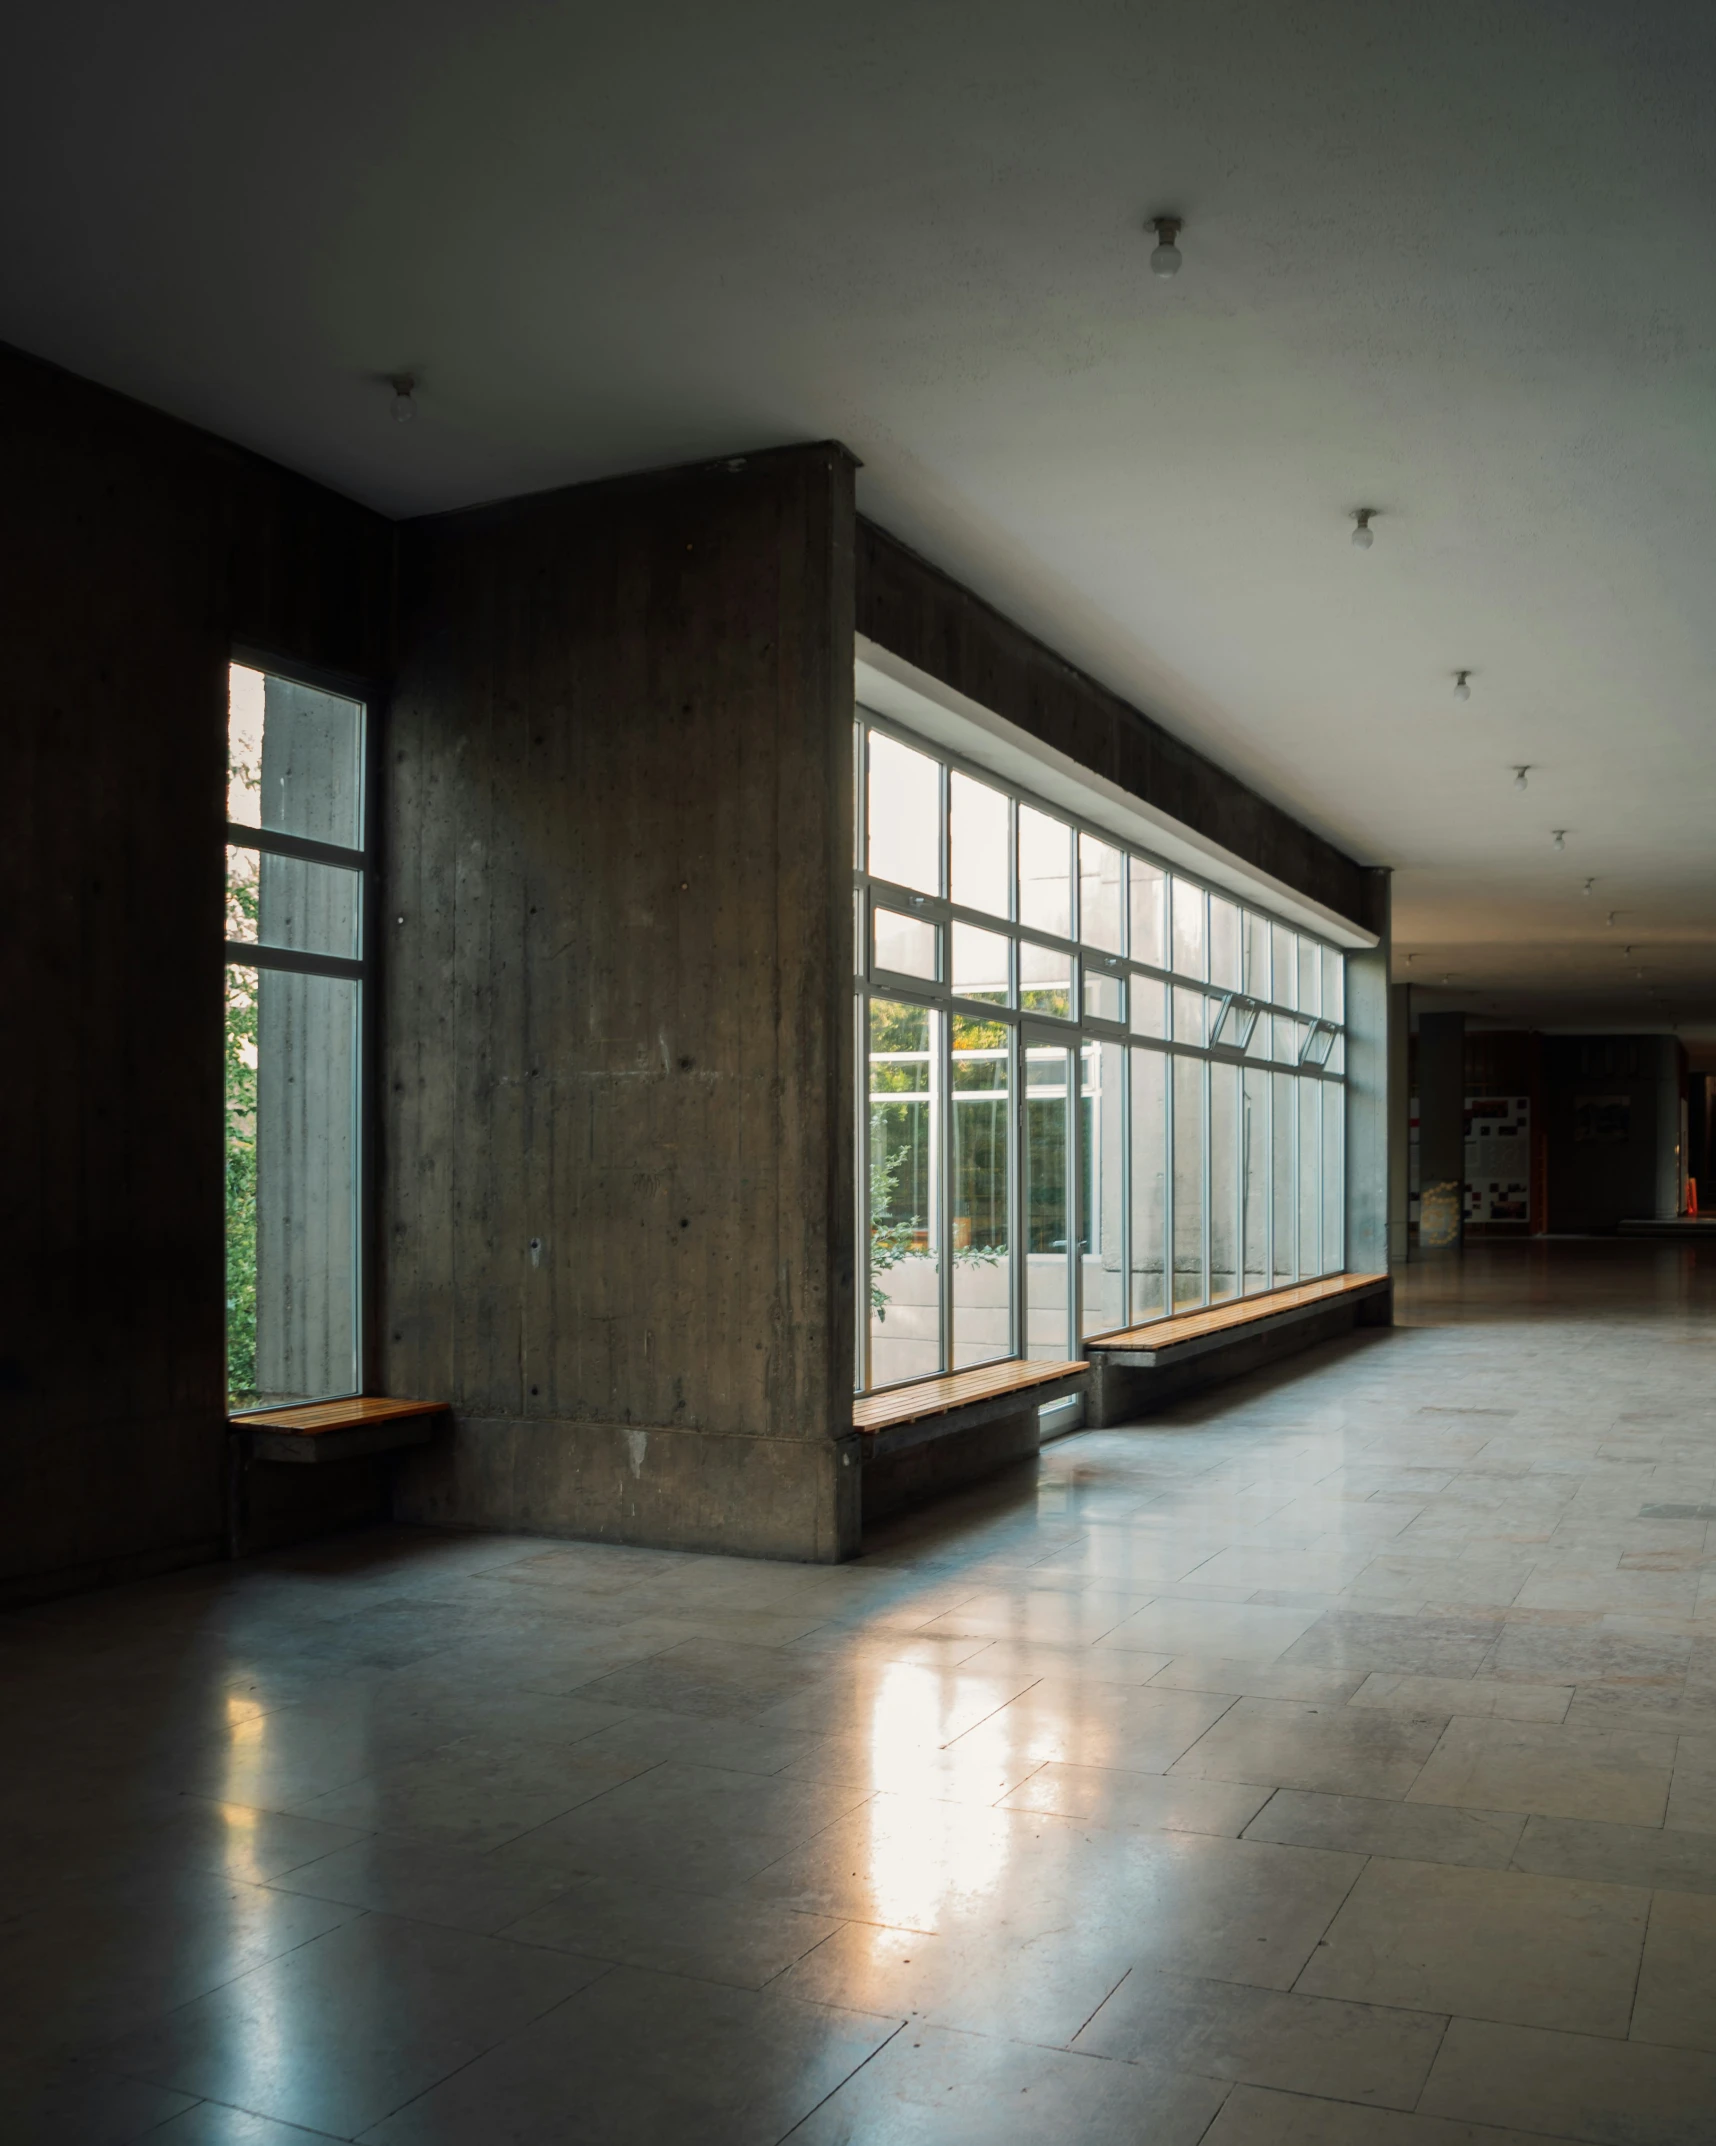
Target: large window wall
{"type": "Point", "coordinates": [1097, 1093]}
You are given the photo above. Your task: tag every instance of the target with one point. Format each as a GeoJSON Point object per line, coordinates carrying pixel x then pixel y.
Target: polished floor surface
{"type": "Point", "coordinates": [1332, 1762]}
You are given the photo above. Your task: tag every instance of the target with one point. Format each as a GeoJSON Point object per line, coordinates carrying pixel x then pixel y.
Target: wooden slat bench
{"type": "Point", "coordinates": [269, 1506]}
{"type": "Point", "coordinates": [1134, 1365]}
{"type": "Point", "coordinates": [936, 1434]}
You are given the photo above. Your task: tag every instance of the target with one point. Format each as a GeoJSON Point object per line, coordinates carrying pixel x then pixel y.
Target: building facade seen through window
{"type": "Point", "coordinates": [1093, 1091]}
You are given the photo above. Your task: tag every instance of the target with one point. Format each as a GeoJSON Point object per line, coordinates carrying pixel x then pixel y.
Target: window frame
{"type": "Point", "coordinates": [361, 968]}
{"type": "Point", "coordinates": [1316, 1039]}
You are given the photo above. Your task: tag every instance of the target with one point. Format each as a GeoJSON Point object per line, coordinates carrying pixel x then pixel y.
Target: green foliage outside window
{"type": "Point", "coordinates": [243, 902]}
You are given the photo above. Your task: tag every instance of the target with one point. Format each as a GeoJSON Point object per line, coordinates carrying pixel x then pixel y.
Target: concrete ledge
{"type": "Point", "coordinates": [660, 1486]}
{"type": "Point", "coordinates": [1133, 1383]}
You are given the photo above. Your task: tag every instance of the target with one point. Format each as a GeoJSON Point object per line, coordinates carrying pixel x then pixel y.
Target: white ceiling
{"type": "Point", "coordinates": [1453, 262]}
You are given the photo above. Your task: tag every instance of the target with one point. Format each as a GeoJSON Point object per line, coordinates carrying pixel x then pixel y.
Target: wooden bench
{"type": "Point", "coordinates": [1135, 1366]}
{"type": "Point", "coordinates": [321, 1431]}
{"type": "Point", "coordinates": [270, 1506]}
{"type": "Point", "coordinates": [937, 1434]}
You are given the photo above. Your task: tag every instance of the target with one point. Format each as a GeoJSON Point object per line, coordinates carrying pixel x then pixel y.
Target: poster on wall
{"type": "Point", "coordinates": [1602, 1120]}
{"type": "Point", "coordinates": [1497, 1159]}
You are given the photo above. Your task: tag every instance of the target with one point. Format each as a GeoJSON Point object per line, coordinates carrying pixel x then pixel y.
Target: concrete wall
{"type": "Point", "coordinates": [616, 1197]}
{"type": "Point", "coordinates": [137, 552]}
{"type": "Point", "coordinates": [1597, 1184]}
{"type": "Point", "coordinates": [914, 609]}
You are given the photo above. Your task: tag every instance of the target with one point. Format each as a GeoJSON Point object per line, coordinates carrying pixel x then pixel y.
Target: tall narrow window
{"type": "Point", "coordinates": [296, 860]}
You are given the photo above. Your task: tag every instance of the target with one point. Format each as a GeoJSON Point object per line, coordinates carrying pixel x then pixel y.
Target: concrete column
{"type": "Point", "coordinates": [1399, 1120]}
{"type": "Point", "coordinates": [1369, 1062]}
{"type": "Point", "coordinates": [1441, 1131]}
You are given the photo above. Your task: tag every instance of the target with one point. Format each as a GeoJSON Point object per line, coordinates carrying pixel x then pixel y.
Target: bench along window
{"type": "Point", "coordinates": [295, 890]}
{"type": "Point", "coordinates": [1095, 1092]}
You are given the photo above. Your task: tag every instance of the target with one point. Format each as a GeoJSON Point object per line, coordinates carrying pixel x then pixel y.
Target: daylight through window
{"type": "Point", "coordinates": [1095, 1091]}
{"type": "Point", "coordinates": [295, 884]}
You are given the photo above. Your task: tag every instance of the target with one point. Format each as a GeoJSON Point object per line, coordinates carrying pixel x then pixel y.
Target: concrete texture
{"type": "Point", "coordinates": [138, 553]}
{"type": "Point", "coordinates": [616, 1205]}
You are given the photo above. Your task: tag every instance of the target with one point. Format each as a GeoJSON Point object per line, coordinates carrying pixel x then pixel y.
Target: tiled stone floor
{"type": "Point", "coordinates": [1330, 1764]}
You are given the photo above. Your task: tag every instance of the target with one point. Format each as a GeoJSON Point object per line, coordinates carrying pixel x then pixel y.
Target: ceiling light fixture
{"type": "Point", "coordinates": [1462, 685]}
{"type": "Point", "coordinates": [1364, 536]}
{"type": "Point", "coordinates": [1519, 775]}
{"type": "Point", "coordinates": [1560, 834]}
{"type": "Point", "coordinates": [1165, 261]}
{"type": "Point", "coordinates": [1610, 918]}
{"type": "Point", "coordinates": [1586, 888]}
{"type": "Point", "coordinates": [404, 405]}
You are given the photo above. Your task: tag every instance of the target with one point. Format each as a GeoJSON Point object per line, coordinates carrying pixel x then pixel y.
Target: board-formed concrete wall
{"type": "Point", "coordinates": [616, 1211]}
{"type": "Point", "coordinates": [138, 553]}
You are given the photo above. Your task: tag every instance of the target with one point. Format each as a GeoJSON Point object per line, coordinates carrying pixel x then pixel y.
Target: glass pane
{"type": "Point", "coordinates": [1224, 1182]}
{"type": "Point", "coordinates": [1098, 894]}
{"type": "Point", "coordinates": [982, 1272]}
{"type": "Point", "coordinates": [1317, 1046]}
{"type": "Point", "coordinates": [1149, 1184]}
{"type": "Point", "coordinates": [1256, 955]}
{"type": "Point", "coordinates": [982, 846]}
{"type": "Point", "coordinates": [1188, 928]}
{"type": "Point", "coordinates": [1045, 980]}
{"type": "Point", "coordinates": [908, 945]}
{"type": "Point", "coordinates": [1045, 872]}
{"type": "Point", "coordinates": [1254, 1178]}
{"type": "Point", "coordinates": [1334, 984]}
{"type": "Point", "coordinates": [1048, 1186]}
{"type": "Point", "coordinates": [1224, 943]}
{"type": "Point", "coordinates": [1104, 1151]}
{"type": "Point", "coordinates": [1310, 1178]}
{"type": "Point", "coordinates": [1188, 1182]}
{"type": "Point", "coordinates": [1284, 990]}
{"type": "Point", "coordinates": [1310, 999]}
{"type": "Point", "coordinates": [1189, 1015]}
{"type": "Point", "coordinates": [1288, 1037]}
{"type": "Point", "coordinates": [1235, 1025]}
{"type": "Point", "coordinates": [905, 1283]}
{"type": "Point", "coordinates": [1334, 1181]}
{"type": "Point", "coordinates": [279, 901]}
{"type": "Point", "coordinates": [980, 965]}
{"type": "Point", "coordinates": [905, 815]}
{"type": "Point", "coordinates": [1285, 1170]}
{"type": "Point", "coordinates": [1149, 1004]}
{"type": "Point", "coordinates": [1149, 900]}
{"type": "Point", "coordinates": [1104, 996]}
{"type": "Point", "coordinates": [294, 759]}
{"type": "Point", "coordinates": [1336, 1061]}
{"type": "Point", "coordinates": [291, 1186]}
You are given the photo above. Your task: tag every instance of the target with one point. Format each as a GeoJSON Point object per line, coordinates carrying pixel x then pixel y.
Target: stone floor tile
{"type": "Point", "coordinates": [1485, 1944]}
{"type": "Point", "coordinates": [1243, 1630]}
{"type": "Point", "coordinates": [1253, 1680]}
{"type": "Point", "coordinates": [1258, 2116]}
{"type": "Point", "coordinates": [1676, 1999]}
{"type": "Point", "coordinates": [1109, 1796]}
{"type": "Point", "coordinates": [1563, 1773]}
{"type": "Point", "coordinates": [1573, 2086]}
{"type": "Point", "coordinates": [1309, 1744]}
{"type": "Point", "coordinates": [1307, 2045]}
{"type": "Point", "coordinates": [457, 1888]}
{"type": "Point", "coordinates": [1692, 1796]}
{"type": "Point", "coordinates": [373, 2014]}
{"type": "Point", "coordinates": [215, 2123]}
{"type": "Point", "coordinates": [474, 1794]}
{"type": "Point", "coordinates": [1073, 1615]}
{"type": "Point", "coordinates": [1442, 1644]}
{"type": "Point", "coordinates": [1143, 1729]}
{"type": "Point", "coordinates": [1375, 1825]}
{"type": "Point", "coordinates": [1618, 1855]}
{"type": "Point", "coordinates": [55, 2103]}
{"type": "Point", "coordinates": [972, 2090]}
{"type": "Point", "coordinates": [727, 1938]}
{"type": "Point", "coordinates": [643, 2059]}
{"type": "Point", "coordinates": [1479, 1696]}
